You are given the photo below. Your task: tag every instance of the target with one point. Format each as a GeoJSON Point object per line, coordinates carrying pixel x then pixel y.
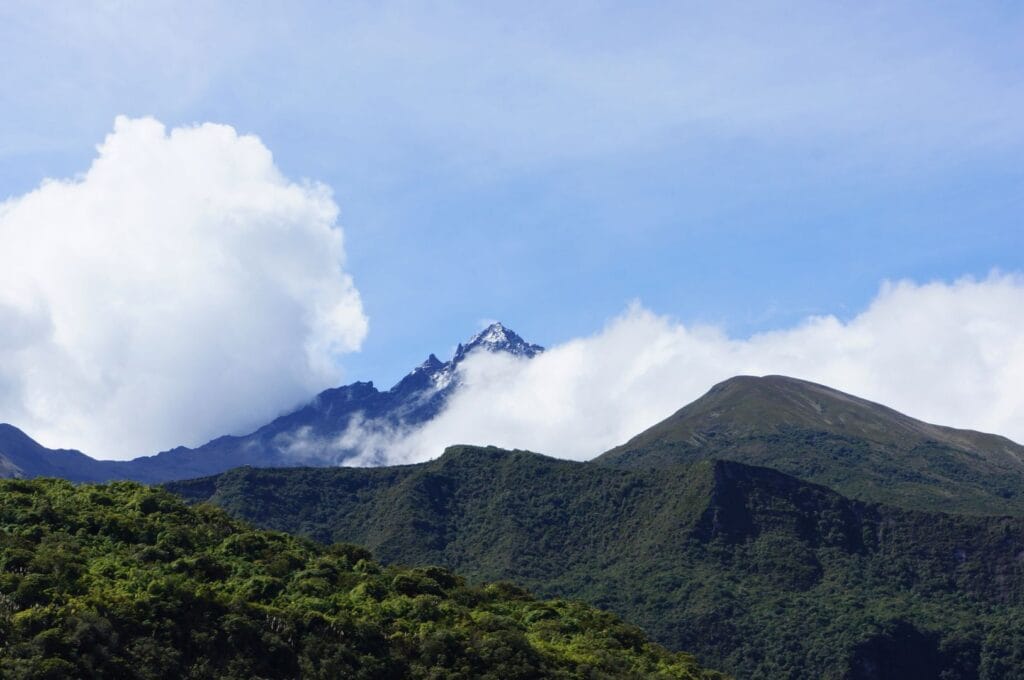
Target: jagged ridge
{"type": "Point", "coordinates": [308, 435]}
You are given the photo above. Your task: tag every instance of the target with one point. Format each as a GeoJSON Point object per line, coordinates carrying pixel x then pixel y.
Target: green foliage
{"type": "Point", "coordinates": [756, 572]}
{"type": "Point", "coordinates": [927, 476]}
{"type": "Point", "coordinates": [125, 581]}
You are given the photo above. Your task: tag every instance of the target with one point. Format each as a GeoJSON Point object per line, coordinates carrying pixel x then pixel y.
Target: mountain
{"type": "Point", "coordinates": [857, 447]}
{"type": "Point", "coordinates": [21, 456]}
{"type": "Point", "coordinates": [123, 581]}
{"type": "Point", "coordinates": [759, 573]}
{"type": "Point", "coordinates": [311, 435]}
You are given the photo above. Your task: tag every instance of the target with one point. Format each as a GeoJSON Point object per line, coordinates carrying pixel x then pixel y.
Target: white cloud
{"type": "Point", "coordinates": [952, 354]}
{"type": "Point", "coordinates": [179, 289]}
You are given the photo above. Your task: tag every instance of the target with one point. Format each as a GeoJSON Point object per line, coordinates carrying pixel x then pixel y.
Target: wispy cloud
{"type": "Point", "coordinates": [538, 84]}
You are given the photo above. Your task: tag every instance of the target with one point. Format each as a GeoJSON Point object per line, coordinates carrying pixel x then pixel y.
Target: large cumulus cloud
{"type": "Point", "coordinates": [949, 353]}
{"type": "Point", "coordinates": [180, 288]}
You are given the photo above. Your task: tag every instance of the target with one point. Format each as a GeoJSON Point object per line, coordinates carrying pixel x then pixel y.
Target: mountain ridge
{"type": "Point", "coordinates": [750, 568]}
{"type": "Point", "coordinates": [309, 434]}
{"type": "Point", "coordinates": [794, 389]}
{"type": "Point", "coordinates": [858, 447]}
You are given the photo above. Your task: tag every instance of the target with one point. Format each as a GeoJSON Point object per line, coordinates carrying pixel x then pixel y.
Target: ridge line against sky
{"type": "Point", "coordinates": [732, 166]}
{"type": "Point", "coordinates": [946, 353]}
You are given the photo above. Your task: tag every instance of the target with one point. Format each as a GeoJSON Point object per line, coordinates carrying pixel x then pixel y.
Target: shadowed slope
{"type": "Point", "coordinates": [21, 456]}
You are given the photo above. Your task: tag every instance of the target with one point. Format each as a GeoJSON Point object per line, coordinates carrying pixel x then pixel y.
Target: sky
{"type": "Point", "coordinates": [213, 210]}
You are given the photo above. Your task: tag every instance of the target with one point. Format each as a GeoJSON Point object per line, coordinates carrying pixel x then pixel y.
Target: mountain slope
{"type": "Point", "coordinates": [859, 448]}
{"type": "Point", "coordinates": [310, 435]}
{"type": "Point", "coordinates": [761, 574]}
{"type": "Point", "coordinates": [21, 456]}
{"type": "Point", "coordinates": [123, 581]}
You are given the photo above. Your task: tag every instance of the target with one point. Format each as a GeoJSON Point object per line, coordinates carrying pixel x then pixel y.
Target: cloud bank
{"type": "Point", "coordinates": [952, 354]}
{"type": "Point", "coordinates": [179, 289]}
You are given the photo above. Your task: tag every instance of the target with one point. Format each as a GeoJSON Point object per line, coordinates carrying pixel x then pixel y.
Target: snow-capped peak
{"type": "Point", "coordinates": [433, 375]}
{"type": "Point", "coordinates": [498, 338]}
{"type": "Point", "coordinates": [492, 335]}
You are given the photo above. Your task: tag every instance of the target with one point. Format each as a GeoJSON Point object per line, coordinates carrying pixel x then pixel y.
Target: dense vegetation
{"type": "Point", "coordinates": [861, 449]}
{"type": "Point", "coordinates": [930, 476]}
{"type": "Point", "coordinates": [757, 572]}
{"type": "Point", "coordinates": [125, 581]}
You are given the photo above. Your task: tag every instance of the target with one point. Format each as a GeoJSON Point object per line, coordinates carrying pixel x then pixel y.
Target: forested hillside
{"type": "Point", "coordinates": [759, 573]}
{"type": "Point", "coordinates": [124, 581]}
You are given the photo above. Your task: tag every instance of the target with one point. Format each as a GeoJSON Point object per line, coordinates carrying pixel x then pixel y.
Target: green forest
{"type": "Point", "coordinates": [758, 573]}
{"type": "Point", "coordinates": [126, 581]}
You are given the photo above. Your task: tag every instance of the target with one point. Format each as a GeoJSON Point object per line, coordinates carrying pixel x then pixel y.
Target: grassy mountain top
{"type": "Point", "coordinates": [124, 581]}
{"type": "Point", "coordinates": [759, 573]}
{"type": "Point", "coordinates": [860, 448]}
{"type": "Point", "coordinates": [747, 405]}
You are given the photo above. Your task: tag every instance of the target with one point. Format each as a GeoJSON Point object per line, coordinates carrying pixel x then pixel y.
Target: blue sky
{"type": "Point", "coordinates": [743, 166]}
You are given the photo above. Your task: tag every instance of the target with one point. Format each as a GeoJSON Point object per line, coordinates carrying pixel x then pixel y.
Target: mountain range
{"type": "Point", "coordinates": [862, 449]}
{"type": "Point", "coordinates": [775, 527]}
{"type": "Point", "coordinates": [310, 435]}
